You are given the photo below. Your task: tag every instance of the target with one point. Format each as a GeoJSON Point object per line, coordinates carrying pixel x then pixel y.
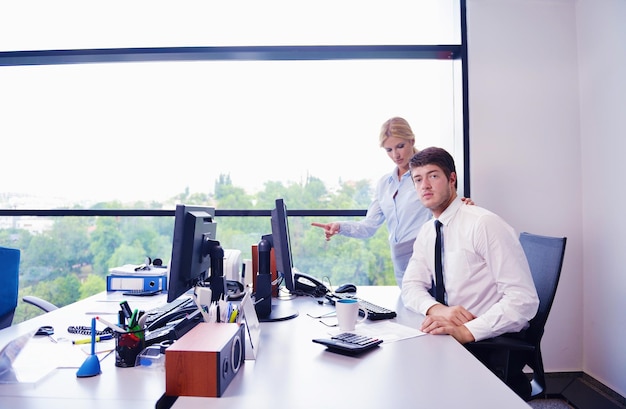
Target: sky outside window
{"type": "Point", "coordinates": [148, 130]}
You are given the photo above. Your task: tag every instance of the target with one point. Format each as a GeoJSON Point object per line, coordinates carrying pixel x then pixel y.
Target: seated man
{"type": "Point", "coordinates": [486, 288]}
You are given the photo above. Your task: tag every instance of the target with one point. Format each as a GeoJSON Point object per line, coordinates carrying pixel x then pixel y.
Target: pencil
{"type": "Point", "coordinates": [114, 327]}
{"type": "Point", "coordinates": [88, 340]}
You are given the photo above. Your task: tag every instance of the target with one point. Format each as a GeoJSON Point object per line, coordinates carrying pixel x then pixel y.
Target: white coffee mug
{"type": "Point", "coordinates": [348, 313]}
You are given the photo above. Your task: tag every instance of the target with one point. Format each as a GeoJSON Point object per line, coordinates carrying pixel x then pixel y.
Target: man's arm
{"type": "Point", "coordinates": [499, 245]}
{"type": "Point", "coordinates": [441, 319]}
{"type": "Point", "coordinates": [438, 325]}
{"type": "Point", "coordinates": [457, 315]}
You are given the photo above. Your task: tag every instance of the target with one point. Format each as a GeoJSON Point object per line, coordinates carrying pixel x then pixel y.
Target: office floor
{"type": "Point", "coordinates": [577, 390]}
{"type": "Point", "coordinates": [549, 404]}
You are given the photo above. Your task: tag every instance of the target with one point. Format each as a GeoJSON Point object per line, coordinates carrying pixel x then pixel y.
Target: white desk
{"type": "Point", "coordinates": [116, 387]}
{"type": "Point", "coordinates": [290, 371]}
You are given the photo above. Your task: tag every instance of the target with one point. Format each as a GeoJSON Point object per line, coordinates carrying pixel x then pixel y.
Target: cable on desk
{"type": "Point", "coordinates": [85, 330]}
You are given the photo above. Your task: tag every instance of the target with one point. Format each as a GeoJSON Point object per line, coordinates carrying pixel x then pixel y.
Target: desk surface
{"type": "Point", "coordinates": [289, 371]}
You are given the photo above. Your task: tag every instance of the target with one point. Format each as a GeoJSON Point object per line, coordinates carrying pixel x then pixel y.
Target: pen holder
{"type": "Point", "coordinates": [127, 346]}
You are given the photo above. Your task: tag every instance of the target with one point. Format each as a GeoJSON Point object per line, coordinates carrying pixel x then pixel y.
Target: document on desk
{"type": "Point", "coordinates": [109, 303]}
{"type": "Point", "coordinates": [138, 270]}
{"type": "Point", "coordinates": [40, 356]}
{"type": "Point", "coordinates": [388, 331]}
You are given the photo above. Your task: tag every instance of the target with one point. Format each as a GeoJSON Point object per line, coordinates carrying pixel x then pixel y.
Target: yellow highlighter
{"type": "Point", "coordinates": [233, 315]}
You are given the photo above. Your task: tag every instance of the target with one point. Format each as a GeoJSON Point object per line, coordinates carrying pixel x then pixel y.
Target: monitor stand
{"type": "Point", "coordinates": [280, 312]}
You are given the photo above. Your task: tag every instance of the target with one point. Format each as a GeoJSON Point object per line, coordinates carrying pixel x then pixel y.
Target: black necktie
{"type": "Point", "coordinates": [440, 288]}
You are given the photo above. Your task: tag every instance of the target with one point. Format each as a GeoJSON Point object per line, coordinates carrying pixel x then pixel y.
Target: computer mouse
{"type": "Point", "coordinates": [346, 288]}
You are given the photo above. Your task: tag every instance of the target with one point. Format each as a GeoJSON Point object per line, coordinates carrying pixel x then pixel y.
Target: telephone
{"type": "Point", "coordinates": [173, 325]}
{"type": "Point", "coordinates": [234, 290]}
{"type": "Point", "coordinates": [309, 285]}
{"type": "Point", "coordinates": [171, 317]}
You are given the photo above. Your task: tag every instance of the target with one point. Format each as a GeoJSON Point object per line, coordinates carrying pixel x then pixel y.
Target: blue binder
{"type": "Point", "coordinates": [117, 282]}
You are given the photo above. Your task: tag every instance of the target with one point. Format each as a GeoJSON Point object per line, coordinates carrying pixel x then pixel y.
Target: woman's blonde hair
{"type": "Point", "coordinates": [398, 127]}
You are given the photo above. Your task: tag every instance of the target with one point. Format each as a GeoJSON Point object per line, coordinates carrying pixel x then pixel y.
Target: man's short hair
{"type": "Point", "coordinates": [434, 156]}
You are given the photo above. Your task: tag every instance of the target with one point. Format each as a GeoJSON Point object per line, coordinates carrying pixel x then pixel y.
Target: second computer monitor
{"type": "Point", "coordinates": [194, 238]}
{"type": "Point", "coordinates": [282, 245]}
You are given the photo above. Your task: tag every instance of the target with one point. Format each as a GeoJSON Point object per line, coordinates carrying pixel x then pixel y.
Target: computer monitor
{"type": "Point", "coordinates": [192, 244]}
{"type": "Point", "coordinates": [296, 282]}
{"type": "Point", "coordinates": [281, 242]}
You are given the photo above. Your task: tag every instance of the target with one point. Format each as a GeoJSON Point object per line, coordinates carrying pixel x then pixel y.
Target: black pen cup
{"type": "Point", "coordinates": [127, 346]}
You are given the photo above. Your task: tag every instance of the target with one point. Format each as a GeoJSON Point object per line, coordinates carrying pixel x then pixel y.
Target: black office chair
{"type": "Point", "coordinates": [545, 258]}
{"type": "Point", "coordinates": [9, 285]}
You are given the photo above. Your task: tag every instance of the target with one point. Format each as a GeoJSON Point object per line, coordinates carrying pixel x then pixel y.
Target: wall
{"type": "Point", "coordinates": [525, 141]}
{"type": "Point", "coordinates": [602, 67]}
{"type": "Point", "coordinates": [547, 90]}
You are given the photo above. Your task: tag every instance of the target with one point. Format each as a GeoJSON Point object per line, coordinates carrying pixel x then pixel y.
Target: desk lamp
{"type": "Point", "coordinates": [91, 366]}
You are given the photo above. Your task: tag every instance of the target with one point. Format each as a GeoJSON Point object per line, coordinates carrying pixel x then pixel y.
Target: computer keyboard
{"type": "Point", "coordinates": [348, 343]}
{"type": "Point", "coordinates": [374, 312]}
{"type": "Point", "coordinates": [141, 293]}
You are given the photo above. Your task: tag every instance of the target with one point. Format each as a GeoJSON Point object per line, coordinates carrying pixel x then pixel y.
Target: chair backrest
{"type": "Point", "coordinates": [9, 282]}
{"type": "Point", "coordinates": [545, 257]}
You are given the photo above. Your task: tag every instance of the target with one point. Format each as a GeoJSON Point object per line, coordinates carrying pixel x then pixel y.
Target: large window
{"type": "Point", "coordinates": [142, 105]}
{"type": "Point", "coordinates": [147, 131]}
{"type": "Point", "coordinates": [144, 102]}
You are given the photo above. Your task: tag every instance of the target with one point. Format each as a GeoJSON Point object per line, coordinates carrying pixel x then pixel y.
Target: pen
{"type": "Point", "coordinates": [114, 327]}
{"type": "Point", "coordinates": [126, 309]}
{"type": "Point", "coordinates": [133, 318]}
{"type": "Point", "coordinates": [121, 318]}
{"type": "Point", "coordinates": [88, 340]}
{"type": "Point", "coordinates": [229, 312]}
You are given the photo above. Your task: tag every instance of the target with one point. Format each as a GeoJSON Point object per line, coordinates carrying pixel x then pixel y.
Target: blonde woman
{"type": "Point", "coordinates": [395, 201]}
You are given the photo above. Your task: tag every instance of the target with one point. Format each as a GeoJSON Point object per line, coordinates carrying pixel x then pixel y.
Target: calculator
{"type": "Point", "coordinates": [349, 344]}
